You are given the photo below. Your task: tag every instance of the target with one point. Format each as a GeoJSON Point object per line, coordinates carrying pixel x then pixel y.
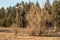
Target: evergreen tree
{"type": "Point", "coordinates": [2, 13]}
{"type": "Point", "coordinates": [37, 4]}
{"type": "Point", "coordinates": [47, 5]}
{"type": "Point", "coordinates": [17, 4]}
{"type": "Point", "coordinates": [56, 12]}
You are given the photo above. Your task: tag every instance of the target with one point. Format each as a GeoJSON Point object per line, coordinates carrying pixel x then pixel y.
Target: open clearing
{"type": "Point", "coordinates": [12, 36]}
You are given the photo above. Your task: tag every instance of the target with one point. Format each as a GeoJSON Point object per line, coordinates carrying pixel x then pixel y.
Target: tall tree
{"type": "Point", "coordinates": [2, 13]}
{"type": "Point", "coordinates": [56, 13]}
{"type": "Point", "coordinates": [47, 4]}
{"type": "Point", "coordinates": [17, 4]}
{"type": "Point", "coordinates": [37, 4]}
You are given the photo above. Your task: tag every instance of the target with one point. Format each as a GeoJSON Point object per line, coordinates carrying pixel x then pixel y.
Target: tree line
{"type": "Point", "coordinates": [8, 15]}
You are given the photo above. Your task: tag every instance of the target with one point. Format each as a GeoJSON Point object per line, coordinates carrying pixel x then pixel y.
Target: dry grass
{"type": "Point", "coordinates": [12, 36]}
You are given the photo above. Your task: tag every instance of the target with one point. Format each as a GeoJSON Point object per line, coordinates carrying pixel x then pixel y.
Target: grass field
{"type": "Point", "coordinates": [12, 36]}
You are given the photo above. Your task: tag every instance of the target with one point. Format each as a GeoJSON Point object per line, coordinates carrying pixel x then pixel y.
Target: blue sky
{"type": "Point", "coordinates": [7, 3]}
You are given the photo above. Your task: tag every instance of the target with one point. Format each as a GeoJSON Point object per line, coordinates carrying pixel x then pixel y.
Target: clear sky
{"type": "Point", "coordinates": [7, 3]}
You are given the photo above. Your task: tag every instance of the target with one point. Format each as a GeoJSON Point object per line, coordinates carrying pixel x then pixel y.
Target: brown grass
{"type": "Point", "coordinates": [12, 36]}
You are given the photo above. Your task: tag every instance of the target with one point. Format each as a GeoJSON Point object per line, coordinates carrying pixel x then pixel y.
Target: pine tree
{"type": "Point", "coordinates": [54, 9]}
{"type": "Point", "coordinates": [47, 5]}
{"type": "Point", "coordinates": [56, 13]}
{"type": "Point", "coordinates": [37, 4]}
{"type": "Point", "coordinates": [8, 21]}
{"type": "Point", "coordinates": [17, 4]}
{"type": "Point", "coordinates": [2, 13]}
